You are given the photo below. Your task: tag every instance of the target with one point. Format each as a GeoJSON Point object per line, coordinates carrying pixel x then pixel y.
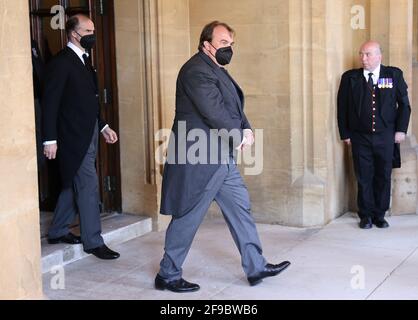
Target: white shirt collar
{"type": "Point", "coordinates": [77, 50]}
{"type": "Point", "coordinates": [376, 74]}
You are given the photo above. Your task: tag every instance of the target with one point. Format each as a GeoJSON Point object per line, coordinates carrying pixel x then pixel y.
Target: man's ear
{"type": "Point", "coordinates": [206, 45]}
{"type": "Point", "coordinates": [75, 35]}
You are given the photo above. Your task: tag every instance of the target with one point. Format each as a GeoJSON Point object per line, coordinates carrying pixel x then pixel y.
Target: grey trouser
{"type": "Point", "coordinates": [82, 198]}
{"type": "Point", "coordinates": [227, 188]}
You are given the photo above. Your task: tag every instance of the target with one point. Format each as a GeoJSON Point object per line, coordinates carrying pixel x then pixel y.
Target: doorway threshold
{"type": "Point", "coordinates": [116, 228]}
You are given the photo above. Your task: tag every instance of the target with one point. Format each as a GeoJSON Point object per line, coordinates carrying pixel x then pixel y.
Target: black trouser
{"type": "Point", "coordinates": [372, 157]}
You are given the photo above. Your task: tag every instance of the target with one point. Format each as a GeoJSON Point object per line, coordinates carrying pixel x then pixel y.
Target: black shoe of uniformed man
{"type": "Point", "coordinates": [381, 223]}
{"type": "Point", "coordinates": [103, 252]}
{"type": "Point", "coordinates": [366, 223]}
{"type": "Point", "coordinates": [270, 270]}
{"type": "Point", "coordinates": [180, 285]}
{"type": "Point", "coordinates": [68, 238]}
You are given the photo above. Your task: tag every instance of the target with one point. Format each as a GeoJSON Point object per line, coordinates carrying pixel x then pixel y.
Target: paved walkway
{"type": "Point", "coordinates": [339, 261]}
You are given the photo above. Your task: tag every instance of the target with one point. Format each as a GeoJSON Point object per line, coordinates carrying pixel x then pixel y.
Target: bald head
{"type": "Point", "coordinates": [78, 26]}
{"type": "Point", "coordinates": [370, 55]}
{"type": "Point", "coordinates": [76, 22]}
{"type": "Point", "coordinates": [82, 18]}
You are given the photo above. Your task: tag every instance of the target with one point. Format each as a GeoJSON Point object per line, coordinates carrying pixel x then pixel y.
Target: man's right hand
{"type": "Point", "coordinates": [50, 151]}
{"type": "Point", "coordinates": [249, 135]}
{"type": "Point", "coordinates": [347, 142]}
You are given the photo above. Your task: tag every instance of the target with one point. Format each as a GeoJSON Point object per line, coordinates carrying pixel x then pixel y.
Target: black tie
{"type": "Point", "coordinates": [87, 62]}
{"type": "Point", "coordinates": [370, 81]}
{"type": "Point", "coordinates": [89, 67]}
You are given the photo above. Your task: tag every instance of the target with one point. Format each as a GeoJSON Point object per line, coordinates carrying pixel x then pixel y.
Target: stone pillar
{"type": "Point", "coordinates": [135, 107]}
{"type": "Point", "coordinates": [307, 121]}
{"type": "Point", "coordinates": [380, 25]}
{"type": "Point", "coordinates": [152, 42]}
{"type": "Point", "coordinates": [392, 26]}
{"type": "Point", "coordinates": [323, 44]}
{"type": "Point", "coordinates": [404, 191]}
{"type": "Point", "coordinates": [20, 252]}
{"type": "Point", "coordinates": [173, 50]}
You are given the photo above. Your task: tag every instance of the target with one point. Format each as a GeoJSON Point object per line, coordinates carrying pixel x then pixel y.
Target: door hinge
{"type": "Point", "coordinates": [107, 97]}
{"type": "Point", "coordinates": [109, 184]}
{"type": "Point", "coordinates": [102, 7]}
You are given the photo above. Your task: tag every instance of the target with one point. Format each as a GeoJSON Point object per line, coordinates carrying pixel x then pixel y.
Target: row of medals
{"type": "Point", "coordinates": [385, 83]}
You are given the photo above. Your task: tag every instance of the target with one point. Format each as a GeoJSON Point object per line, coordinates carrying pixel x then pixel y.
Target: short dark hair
{"type": "Point", "coordinates": [207, 32]}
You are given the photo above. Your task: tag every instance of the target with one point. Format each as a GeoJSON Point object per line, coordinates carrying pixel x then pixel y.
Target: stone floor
{"type": "Point", "coordinates": [339, 261]}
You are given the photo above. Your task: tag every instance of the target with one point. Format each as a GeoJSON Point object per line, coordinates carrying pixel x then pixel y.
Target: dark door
{"type": "Point", "coordinates": [48, 34]}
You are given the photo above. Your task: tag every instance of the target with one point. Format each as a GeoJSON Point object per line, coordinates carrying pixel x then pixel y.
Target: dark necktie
{"type": "Point", "coordinates": [370, 81]}
{"type": "Point", "coordinates": [87, 63]}
{"type": "Point", "coordinates": [89, 66]}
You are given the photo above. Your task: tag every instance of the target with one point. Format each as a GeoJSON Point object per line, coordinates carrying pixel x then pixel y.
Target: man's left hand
{"type": "Point", "coordinates": [110, 136]}
{"type": "Point", "coordinates": [400, 137]}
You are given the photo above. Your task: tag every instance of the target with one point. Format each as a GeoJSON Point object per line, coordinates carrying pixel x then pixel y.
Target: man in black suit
{"type": "Point", "coordinates": [71, 124]}
{"type": "Point", "coordinates": [373, 115]}
{"type": "Point", "coordinates": [207, 100]}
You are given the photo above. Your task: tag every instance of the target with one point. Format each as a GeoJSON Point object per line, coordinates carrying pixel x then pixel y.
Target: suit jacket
{"type": "Point", "coordinates": [206, 98]}
{"type": "Point", "coordinates": [394, 106]}
{"type": "Point", "coordinates": [70, 106]}
{"type": "Point", "coordinates": [38, 68]}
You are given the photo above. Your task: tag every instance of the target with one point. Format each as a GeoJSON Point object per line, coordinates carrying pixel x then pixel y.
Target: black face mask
{"type": "Point", "coordinates": [223, 55]}
{"type": "Point", "coordinates": [88, 41]}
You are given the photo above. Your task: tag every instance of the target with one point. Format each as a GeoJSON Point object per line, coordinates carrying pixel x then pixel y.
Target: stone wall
{"type": "Point", "coordinates": [152, 43]}
{"type": "Point", "coordinates": [138, 192]}
{"type": "Point", "coordinates": [20, 252]}
{"type": "Point", "coordinates": [289, 57]}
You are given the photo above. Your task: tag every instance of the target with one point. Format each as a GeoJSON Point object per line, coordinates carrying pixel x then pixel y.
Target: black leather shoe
{"type": "Point", "coordinates": [270, 270]}
{"type": "Point", "coordinates": [381, 223]}
{"type": "Point", "coordinates": [103, 252]}
{"type": "Point", "coordinates": [69, 238]}
{"type": "Point", "coordinates": [366, 223]}
{"type": "Point", "coordinates": [181, 285]}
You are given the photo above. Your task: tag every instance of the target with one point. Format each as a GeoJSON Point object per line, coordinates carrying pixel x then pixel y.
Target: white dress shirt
{"type": "Point", "coordinates": [79, 53]}
{"type": "Point", "coordinates": [375, 76]}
